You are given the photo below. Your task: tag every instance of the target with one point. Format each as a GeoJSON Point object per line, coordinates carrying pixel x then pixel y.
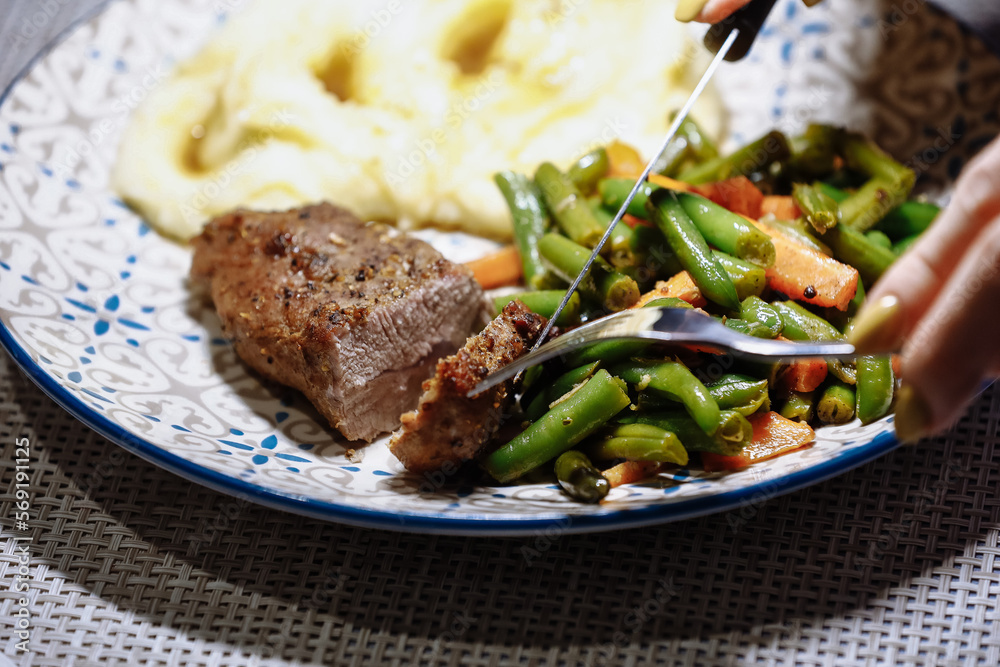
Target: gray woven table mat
{"type": "Point", "coordinates": [893, 563]}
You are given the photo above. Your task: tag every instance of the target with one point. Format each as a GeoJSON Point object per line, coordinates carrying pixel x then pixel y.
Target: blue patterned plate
{"type": "Point", "coordinates": [95, 309]}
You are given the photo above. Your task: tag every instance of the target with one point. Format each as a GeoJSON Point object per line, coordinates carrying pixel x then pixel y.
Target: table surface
{"type": "Point", "coordinates": [893, 563]}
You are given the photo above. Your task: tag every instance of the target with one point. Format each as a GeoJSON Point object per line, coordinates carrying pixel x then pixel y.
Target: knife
{"type": "Point", "coordinates": [730, 40]}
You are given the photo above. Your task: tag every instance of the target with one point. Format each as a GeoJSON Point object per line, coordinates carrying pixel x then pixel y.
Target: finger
{"type": "Point", "coordinates": [710, 11]}
{"type": "Point", "coordinates": [902, 296]}
{"type": "Point", "coordinates": [953, 347]}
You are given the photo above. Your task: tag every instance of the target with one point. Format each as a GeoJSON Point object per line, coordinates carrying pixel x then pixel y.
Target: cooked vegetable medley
{"type": "Point", "coordinates": [779, 239]}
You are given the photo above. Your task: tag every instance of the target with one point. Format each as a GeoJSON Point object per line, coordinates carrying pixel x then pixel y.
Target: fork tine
{"type": "Point", "coordinates": [670, 325]}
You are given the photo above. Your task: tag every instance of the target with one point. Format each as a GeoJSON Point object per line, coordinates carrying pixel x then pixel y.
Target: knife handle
{"type": "Point", "coordinates": [748, 20]}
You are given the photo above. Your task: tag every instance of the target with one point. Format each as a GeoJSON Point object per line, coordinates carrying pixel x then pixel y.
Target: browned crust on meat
{"type": "Point", "coordinates": [306, 294]}
{"type": "Point", "coordinates": [450, 428]}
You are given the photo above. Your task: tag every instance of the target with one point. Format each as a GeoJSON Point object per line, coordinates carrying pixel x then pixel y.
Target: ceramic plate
{"type": "Point", "coordinates": [95, 309]}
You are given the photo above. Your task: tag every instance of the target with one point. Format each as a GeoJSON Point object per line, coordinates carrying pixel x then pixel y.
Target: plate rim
{"type": "Point", "coordinates": [401, 521]}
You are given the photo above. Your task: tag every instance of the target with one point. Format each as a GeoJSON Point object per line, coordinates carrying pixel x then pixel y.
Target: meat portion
{"type": "Point", "coordinates": [350, 315]}
{"type": "Point", "coordinates": [449, 427]}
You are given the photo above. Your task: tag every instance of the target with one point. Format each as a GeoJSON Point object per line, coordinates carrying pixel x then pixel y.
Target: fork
{"type": "Point", "coordinates": [668, 325]}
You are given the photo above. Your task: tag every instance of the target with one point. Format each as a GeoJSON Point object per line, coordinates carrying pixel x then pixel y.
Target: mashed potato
{"type": "Point", "coordinates": [401, 110]}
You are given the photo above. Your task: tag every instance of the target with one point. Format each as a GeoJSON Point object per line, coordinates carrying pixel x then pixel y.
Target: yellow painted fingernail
{"type": "Point", "coordinates": [878, 327]}
{"type": "Point", "coordinates": [688, 10]}
{"type": "Point", "coordinates": [913, 416]}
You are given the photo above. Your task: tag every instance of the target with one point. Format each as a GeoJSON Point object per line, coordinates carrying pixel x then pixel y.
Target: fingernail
{"type": "Point", "coordinates": [913, 416]}
{"type": "Point", "coordinates": [688, 10]}
{"type": "Point", "coordinates": [878, 326]}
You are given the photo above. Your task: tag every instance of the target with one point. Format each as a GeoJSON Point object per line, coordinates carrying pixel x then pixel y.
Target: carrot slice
{"type": "Point", "coordinates": [807, 275]}
{"type": "Point", "coordinates": [804, 375]}
{"type": "Point", "coordinates": [739, 195]}
{"type": "Point", "coordinates": [781, 207]}
{"type": "Point", "coordinates": [624, 161]}
{"type": "Point", "coordinates": [628, 472]}
{"type": "Point", "coordinates": [667, 182]}
{"type": "Point", "coordinates": [773, 435]}
{"type": "Point", "coordinates": [497, 269]}
{"type": "Point", "coordinates": [681, 286]}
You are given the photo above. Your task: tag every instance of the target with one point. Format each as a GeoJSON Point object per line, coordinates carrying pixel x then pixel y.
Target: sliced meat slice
{"type": "Point", "coordinates": [449, 428]}
{"type": "Point", "coordinates": [349, 314]}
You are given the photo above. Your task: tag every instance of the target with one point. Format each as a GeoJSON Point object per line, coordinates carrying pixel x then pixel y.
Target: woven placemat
{"type": "Point", "coordinates": [893, 563]}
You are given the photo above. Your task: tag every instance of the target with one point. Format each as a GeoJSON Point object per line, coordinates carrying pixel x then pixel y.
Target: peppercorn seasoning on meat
{"type": "Point", "coordinates": [352, 315]}
{"type": "Point", "coordinates": [450, 428]}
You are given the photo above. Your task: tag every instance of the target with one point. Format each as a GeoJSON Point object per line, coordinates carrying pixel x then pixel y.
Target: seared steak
{"type": "Point", "coordinates": [348, 314]}
{"type": "Point", "coordinates": [449, 428]}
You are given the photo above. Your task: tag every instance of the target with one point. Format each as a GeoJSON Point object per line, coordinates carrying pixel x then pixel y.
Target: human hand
{"type": "Point", "coordinates": [713, 11]}
{"type": "Point", "coordinates": [939, 304]}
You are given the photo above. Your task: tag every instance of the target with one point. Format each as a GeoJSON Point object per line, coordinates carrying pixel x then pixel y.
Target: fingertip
{"type": "Point", "coordinates": [878, 328]}
{"type": "Point", "coordinates": [913, 416]}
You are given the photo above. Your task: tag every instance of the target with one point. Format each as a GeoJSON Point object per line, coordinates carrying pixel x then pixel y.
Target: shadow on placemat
{"type": "Point", "coordinates": [276, 584]}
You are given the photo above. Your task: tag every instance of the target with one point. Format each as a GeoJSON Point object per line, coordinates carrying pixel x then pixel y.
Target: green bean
{"type": "Point", "coordinates": [613, 192]}
{"type": "Point", "coordinates": [798, 407]}
{"type": "Point", "coordinates": [908, 219]}
{"type": "Point", "coordinates": [879, 238]}
{"type": "Point", "coordinates": [602, 284]}
{"type": "Point", "coordinates": [870, 203]}
{"type": "Point", "coordinates": [875, 387]}
{"type": "Point", "coordinates": [834, 193]}
{"type": "Point", "coordinates": [727, 231]}
{"type": "Point", "coordinates": [852, 247]}
{"type": "Point", "coordinates": [798, 230]}
{"type": "Point", "coordinates": [842, 318]}
{"type": "Point", "coordinates": [692, 436]}
{"type": "Point", "coordinates": [814, 153]}
{"type": "Point", "coordinates": [740, 393]}
{"type": "Point", "coordinates": [754, 157]}
{"type": "Point", "coordinates": [801, 324]}
{"type": "Point", "coordinates": [610, 351]}
{"type": "Point", "coordinates": [579, 478]}
{"type": "Point", "coordinates": [689, 144]}
{"type": "Point", "coordinates": [901, 246]}
{"type": "Point", "coordinates": [836, 404]}
{"type": "Point", "coordinates": [589, 169]}
{"type": "Point", "coordinates": [530, 219]}
{"type": "Point", "coordinates": [748, 279]}
{"type": "Point", "coordinates": [691, 249]}
{"type": "Point", "coordinates": [637, 442]}
{"type": "Point", "coordinates": [748, 328]}
{"type": "Point", "coordinates": [654, 252]}
{"type": "Point", "coordinates": [667, 302]}
{"type": "Point", "coordinates": [820, 211]}
{"type": "Point", "coordinates": [621, 250]}
{"type": "Point", "coordinates": [568, 206]}
{"type": "Point", "coordinates": [755, 309]}
{"type": "Point", "coordinates": [675, 381]}
{"type": "Point", "coordinates": [561, 386]}
{"type": "Point", "coordinates": [864, 155]}
{"type": "Point", "coordinates": [566, 424]}
{"type": "Point", "coordinates": [545, 302]}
